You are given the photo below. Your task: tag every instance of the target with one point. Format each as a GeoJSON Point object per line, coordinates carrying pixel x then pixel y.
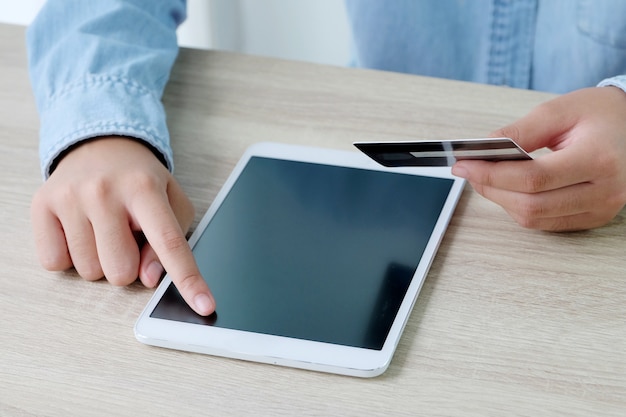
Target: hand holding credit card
{"type": "Point", "coordinates": [442, 152]}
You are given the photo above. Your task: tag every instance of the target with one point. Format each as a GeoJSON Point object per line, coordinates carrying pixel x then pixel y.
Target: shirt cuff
{"type": "Point", "coordinates": [618, 81]}
{"type": "Point", "coordinates": [102, 105]}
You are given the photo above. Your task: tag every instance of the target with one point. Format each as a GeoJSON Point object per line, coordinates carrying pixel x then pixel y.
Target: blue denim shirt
{"type": "Point", "coordinates": [100, 67]}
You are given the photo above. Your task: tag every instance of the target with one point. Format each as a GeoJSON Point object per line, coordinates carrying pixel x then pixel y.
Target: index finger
{"type": "Point", "coordinates": [162, 230]}
{"type": "Point", "coordinates": [548, 172]}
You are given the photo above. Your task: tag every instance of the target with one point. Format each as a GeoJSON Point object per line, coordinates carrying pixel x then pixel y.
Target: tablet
{"type": "Point", "coordinates": [315, 258]}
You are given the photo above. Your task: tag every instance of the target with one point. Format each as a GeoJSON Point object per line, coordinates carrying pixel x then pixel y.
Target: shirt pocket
{"type": "Point", "coordinates": [603, 20]}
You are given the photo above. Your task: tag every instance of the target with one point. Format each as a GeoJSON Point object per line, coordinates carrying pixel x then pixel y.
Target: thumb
{"type": "Point", "coordinates": [150, 268]}
{"type": "Point", "coordinates": [544, 126]}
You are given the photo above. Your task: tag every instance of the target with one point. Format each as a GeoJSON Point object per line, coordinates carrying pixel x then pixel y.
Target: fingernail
{"type": "Point", "coordinates": [204, 304]}
{"type": "Point", "coordinates": [460, 171]}
{"type": "Point", "coordinates": [154, 272]}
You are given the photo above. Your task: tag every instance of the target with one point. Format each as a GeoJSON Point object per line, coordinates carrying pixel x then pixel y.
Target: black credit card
{"type": "Point", "coordinates": [442, 153]}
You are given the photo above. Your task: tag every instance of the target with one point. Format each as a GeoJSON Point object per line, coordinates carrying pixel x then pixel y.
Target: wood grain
{"type": "Point", "coordinates": [510, 321]}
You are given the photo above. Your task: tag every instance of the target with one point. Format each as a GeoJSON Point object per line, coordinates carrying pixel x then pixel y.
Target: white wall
{"type": "Point", "coordinates": [19, 12]}
{"type": "Point", "coordinates": [309, 30]}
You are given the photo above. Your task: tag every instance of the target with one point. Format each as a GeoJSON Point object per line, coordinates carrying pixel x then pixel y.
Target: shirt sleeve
{"type": "Point", "coordinates": [99, 68]}
{"type": "Point", "coordinates": [618, 81]}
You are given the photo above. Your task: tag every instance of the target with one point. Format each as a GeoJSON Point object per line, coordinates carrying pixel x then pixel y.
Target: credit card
{"type": "Point", "coordinates": [442, 153]}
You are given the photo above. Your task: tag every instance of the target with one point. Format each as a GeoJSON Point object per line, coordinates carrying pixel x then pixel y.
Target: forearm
{"type": "Point", "coordinates": [99, 68]}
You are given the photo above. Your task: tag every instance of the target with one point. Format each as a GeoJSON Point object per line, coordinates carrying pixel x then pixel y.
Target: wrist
{"type": "Point", "coordinates": [157, 154]}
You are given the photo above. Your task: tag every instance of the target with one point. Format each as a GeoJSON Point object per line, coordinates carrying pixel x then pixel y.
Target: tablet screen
{"type": "Point", "coordinates": [313, 251]}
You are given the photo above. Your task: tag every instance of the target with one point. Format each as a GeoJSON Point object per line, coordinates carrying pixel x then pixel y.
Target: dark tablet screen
{"type": "Point", "coordinates": [312, 251]}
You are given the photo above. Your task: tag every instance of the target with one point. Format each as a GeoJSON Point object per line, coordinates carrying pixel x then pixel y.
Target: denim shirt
{"type": "Point", "coordinates": [100, 67]}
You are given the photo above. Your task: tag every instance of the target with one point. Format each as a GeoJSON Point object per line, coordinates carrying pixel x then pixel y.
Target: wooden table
{"type": "Point", "coordinates": [509, 322]}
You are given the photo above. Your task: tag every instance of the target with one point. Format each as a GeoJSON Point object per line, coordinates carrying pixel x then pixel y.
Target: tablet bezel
{"type": "Point", "coordinates": [286, 351]}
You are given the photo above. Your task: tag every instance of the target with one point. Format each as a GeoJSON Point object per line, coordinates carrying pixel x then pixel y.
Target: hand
{"type": "Point", "coordinates": [582, 184]}
{"type": "Point", "coordinates": [101, 195]}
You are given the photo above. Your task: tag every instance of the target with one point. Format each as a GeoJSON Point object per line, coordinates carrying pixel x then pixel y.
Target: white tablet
{"type": "Point", "coordinates": [315, 258]}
